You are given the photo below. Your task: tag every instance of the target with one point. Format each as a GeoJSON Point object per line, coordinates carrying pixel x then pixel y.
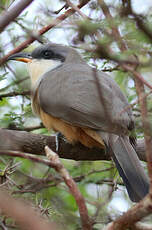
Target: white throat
{"type": "Point", "coordinates": [37, 68]}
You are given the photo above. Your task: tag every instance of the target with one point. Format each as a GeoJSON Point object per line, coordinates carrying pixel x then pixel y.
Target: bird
{"type": "Point", "coordinates": [85, 105]}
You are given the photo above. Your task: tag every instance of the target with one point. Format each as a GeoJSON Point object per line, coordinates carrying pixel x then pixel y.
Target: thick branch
{"type": "Point", "coordinates": [34, 144]}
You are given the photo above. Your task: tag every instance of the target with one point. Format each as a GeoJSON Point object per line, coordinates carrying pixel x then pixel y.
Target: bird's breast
{"type": "Point", "coordinates": [39, 67]}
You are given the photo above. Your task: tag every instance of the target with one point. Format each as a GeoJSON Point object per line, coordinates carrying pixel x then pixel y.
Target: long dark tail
{"type": "Point", "coordinates": [129, 168]}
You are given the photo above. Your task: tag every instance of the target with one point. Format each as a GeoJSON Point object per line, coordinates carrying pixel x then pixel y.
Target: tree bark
{"type": "Point", "coordinates": [34, 143]}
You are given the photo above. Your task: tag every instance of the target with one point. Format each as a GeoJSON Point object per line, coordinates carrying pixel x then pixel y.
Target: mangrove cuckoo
{"type": "Point", "coordinates": [86, 106]}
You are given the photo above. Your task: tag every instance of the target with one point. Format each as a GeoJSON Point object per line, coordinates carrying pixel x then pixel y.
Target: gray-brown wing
{"type": "Point", "coordinates": [80, 98]}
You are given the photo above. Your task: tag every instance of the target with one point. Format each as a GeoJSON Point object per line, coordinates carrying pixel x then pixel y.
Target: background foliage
{"type": "Point", "coordinates": [96, 39]}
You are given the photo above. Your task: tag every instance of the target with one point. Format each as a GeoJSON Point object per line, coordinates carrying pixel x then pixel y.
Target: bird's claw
{"type": "Point", "coordinates": [58, 136]}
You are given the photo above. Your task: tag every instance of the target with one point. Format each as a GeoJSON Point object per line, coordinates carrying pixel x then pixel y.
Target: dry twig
{"type": "Point", "coordinates": [53, 157]}
{"type": "Point", "coordinates": [69, 3]}
{"type": "Point", "coordinates": [14, 93]}
{"type": "Point", "coordinates": [25, 219]}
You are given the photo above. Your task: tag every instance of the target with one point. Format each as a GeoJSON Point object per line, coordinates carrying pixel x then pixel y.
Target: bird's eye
{"type": "Point", "coordinates": [46, 53]}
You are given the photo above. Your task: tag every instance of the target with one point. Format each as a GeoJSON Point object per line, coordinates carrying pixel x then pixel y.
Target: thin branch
{"type": "Point", "coordinates": [13, 94]}
{"type": "Point", "coordinates": [85, 220]}
{"type": "Point", "coordinates": [115, 30]}
{"type": "Point", "coordinates": [69, 3]}
{"type": "Point", "coordinates": [28, 157]}
{"type": "Point", "coordinates": [141, 25]}
{"type": "Point", "coordinates": [3, 226]}
{"type": "Point", "coordinates": [58, 11]}
{"type": "Point", "coordinates": [127, 65]}
{"type": "Point", "coordinates": [142, 226]}
{"type": "Point", "coordinates": [31, 128]}
{"type": "Point", "coordinates": [136, 102]}
{"type": "Point", "coordinates": [139, 19]}
{"type": "Point", "coordinates": [7, 17]}
{"type": "Point", "coordinates": [17, 82]}
{"type": "Point", "coordinates": [146, 125]}
{"type": "Point", "coordinates": [136, 75]}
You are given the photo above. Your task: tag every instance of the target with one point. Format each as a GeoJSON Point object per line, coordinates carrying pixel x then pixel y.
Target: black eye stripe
{"type": "Point", "coordinates": [47, 54]}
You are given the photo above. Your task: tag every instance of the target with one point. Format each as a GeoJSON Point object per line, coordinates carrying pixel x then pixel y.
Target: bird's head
{"type": "Point", "coordinates": [43, 59]}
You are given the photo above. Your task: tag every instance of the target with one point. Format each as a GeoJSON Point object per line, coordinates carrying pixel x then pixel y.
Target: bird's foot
{"type": "Point", "coordinates": [58, 136]}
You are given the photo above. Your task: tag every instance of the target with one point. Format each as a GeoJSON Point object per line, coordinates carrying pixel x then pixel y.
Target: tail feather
{"type": "Point", "coordinates": [129, 168]}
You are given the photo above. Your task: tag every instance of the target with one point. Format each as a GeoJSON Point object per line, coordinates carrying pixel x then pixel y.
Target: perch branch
{"type": "Point", "coordinates": [25, 142]}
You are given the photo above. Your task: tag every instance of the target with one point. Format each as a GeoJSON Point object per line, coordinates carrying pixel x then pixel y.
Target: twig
{"type": "Point", "coordinates": [18, 211]}
{"type": "Point", "coordinates": [136, 102]}
{"type": "Point", "coordinates": [142, 226]}
{"type": "Point", "coordinates": [125, 64]}
{"type": "Point", "coordinates": [116, 68]}
{"type": "Point", "coordinates": [53, 157]}
{"type": "Point", "coordinates": [115, 30]}
{"type": "Point", "coordinates": [3, 226]}
{"type": "Point", "coordinates": [58, 11]}
{"type": "Point", "coordinates": [137, 75]}
{"type": "Point", "coordinates": [127, 10]}
{"type": "Point", "coordinates": [13, 94]}
{"type": "Point", "coordinates": [27, 156]}
{"type": "Point", "coordinates": [31, 128]}
{"type": "Point", "coordinates": [146, 125]}
{"type": "Point", "coordinates": [142, 26]}
{"type": "Point", "coordinates": [69, 3]}
{"type": "Point", "coordinates": [12, 13]}
{"type": "Point", "coordinates": [17, 82]}
{"type": "Point", "coordinates": [42, 31]}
